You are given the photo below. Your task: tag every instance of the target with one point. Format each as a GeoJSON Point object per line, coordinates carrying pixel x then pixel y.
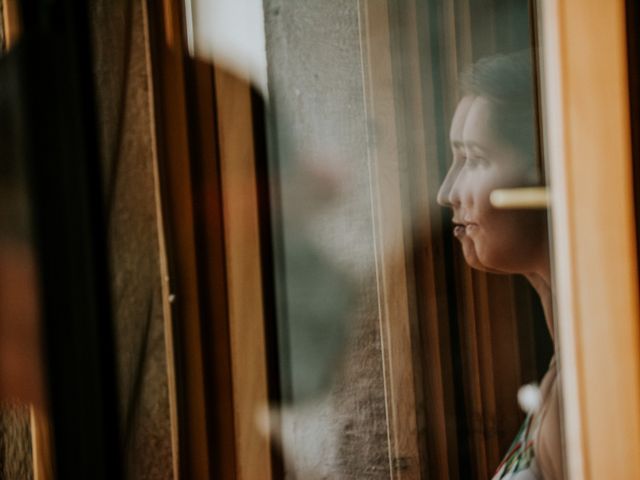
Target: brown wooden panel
{"type": "Point", "coordinates": [11, 26]}
{"type": "Point", "coordinates": [212, 281]}
{"type": "Point", "coordinates": [42, 445]}
{"type": "Point", "coordinates": [208, 159]}
{"type": "Point", "coordinates": [174, 152]}
{"type": "Point", "coordinates": [244, 273]}
{"type": "Point", "coordinates": [586, 103]}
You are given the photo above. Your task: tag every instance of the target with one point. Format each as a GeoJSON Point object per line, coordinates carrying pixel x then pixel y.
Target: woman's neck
{"type": "Point", "coordinates": [541, 283]}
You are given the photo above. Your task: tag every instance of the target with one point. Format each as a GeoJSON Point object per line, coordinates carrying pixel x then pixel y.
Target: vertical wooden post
{"type": "Point", "coordinates": [244, 273]}
{"type": "Point", "coordinates": [11, 22]}
{"type": "Point", "coordinates": [41, 445]}
{"type": "Point", "coordinates": [586, 103]}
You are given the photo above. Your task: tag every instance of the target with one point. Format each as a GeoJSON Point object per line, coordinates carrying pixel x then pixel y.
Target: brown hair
{"type": "Point", "coordinates": [507, 82]}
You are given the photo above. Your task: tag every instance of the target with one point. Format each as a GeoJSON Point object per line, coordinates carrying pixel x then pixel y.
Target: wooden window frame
{"type": "Point", "coordinates": [209, 155]}
{"type": "Point", "coordinates": [584, 54]}
{"type": "Point", "coordinates": [600, 441]}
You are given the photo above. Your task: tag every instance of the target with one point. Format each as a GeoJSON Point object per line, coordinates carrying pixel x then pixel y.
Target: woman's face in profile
{"type": "Point", "coordinates": [509, 241]}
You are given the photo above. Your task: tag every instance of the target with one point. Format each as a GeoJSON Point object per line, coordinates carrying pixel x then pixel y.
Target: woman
{"type": "Point", "coordinates": [493, 137]}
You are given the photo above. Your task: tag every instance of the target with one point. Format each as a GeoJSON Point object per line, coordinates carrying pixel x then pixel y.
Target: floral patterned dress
{"type": "Point", "coordinates": [519, 462]}
{"type": "Point", "coordinates": [536, 452]}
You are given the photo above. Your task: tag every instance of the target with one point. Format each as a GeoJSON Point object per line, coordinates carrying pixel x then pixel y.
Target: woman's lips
{"type": "Point", "coordinates": [459, 230]}
{"type": "Point", "coordinates": [470, 228]}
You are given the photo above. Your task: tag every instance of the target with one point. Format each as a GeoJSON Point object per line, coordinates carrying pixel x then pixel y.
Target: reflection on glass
{"type": "Point", "coordinates": [428, 354]}
{"type": "Point", "coordinates": [493, 137]}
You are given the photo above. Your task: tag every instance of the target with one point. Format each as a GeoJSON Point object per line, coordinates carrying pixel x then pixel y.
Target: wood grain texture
{"type": "Point", "coordinates": [172, 122]}
{"type": "Point", "coordinates": [11, 26]}
{"type": "Point", "coordinates": [244, 276]}
{"type": "Point", "coordinates": [212, 277]}
{"type": "Point", "coordinates": [586, 102]}
{"type": "Point", "coordinates": [42, 445]}
{"type": "Point", "coordinates": [165, 288]}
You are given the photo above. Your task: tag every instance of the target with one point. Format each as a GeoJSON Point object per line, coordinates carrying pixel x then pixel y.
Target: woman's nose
{"type": "Point", "coordinates": [443, 195]}
{"type": "Point", "coordinates": [446, 194]}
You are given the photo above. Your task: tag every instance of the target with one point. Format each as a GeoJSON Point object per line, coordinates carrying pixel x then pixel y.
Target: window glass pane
{"type": "Point", "coordinates": [412, 271]}
{"type": "Point", "coordinates": [331, 365]}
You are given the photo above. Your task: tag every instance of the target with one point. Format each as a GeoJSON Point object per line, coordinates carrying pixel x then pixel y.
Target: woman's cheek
{"type": "Point", "coordinates": [484, 248]}
{"type": "Point", "coordinates": [495, 238]}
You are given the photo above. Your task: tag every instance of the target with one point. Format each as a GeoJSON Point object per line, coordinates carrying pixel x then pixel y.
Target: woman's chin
{"type": "Point", "coordinates": [478, 258]}
{"type": "Point", "coordinates": [470, 257]}
{"type": "Point", "coordinates": [469, 252]}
